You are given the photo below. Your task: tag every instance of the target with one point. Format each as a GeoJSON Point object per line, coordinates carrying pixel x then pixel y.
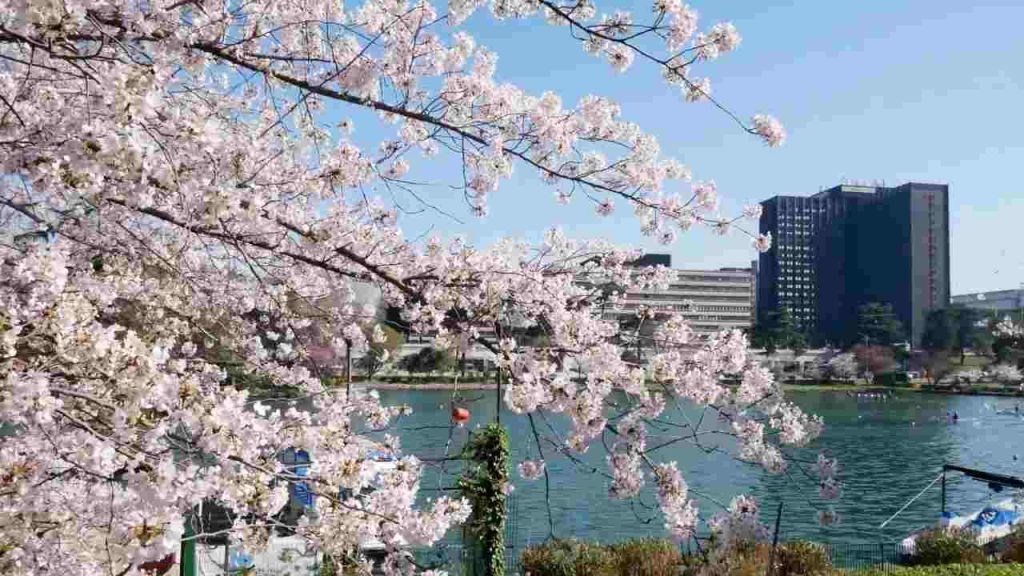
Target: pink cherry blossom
{"type": "Point", "coordinates": [531, 469]}
{"type": "Point", "coordinates": [187, 218]}
{"type": "Point", "coordinates": [769, 129]}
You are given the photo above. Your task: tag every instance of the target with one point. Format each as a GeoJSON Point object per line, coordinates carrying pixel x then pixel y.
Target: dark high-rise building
{"type": "Point", "coordinates": [850, 245]}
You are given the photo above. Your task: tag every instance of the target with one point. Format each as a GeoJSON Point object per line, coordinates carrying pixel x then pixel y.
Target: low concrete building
{"type": "Point", "coordinates": [712, 300]}
{"type": "Point", "coordinates": [1003, 302]}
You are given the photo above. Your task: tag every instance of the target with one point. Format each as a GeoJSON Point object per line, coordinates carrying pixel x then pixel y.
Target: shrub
{"type": "Point", "coordinates": [949, 546]}
{"type": "Point", "coordinates": [745, 559]}
{"type": "Point", "coordinates": [646, 557]}
{"type": "Point", "coordinates": [1012, 548]}
{"type": "Point", "coordinates": [567, 557]}
{"type": "Point", "coordinates": [641, 557]}
{"type": "Point", "coordinates": [801, 558]}
{"type": "Point", "coordinates": [797, 558]}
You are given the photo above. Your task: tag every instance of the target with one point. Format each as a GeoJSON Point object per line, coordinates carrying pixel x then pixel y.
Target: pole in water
{"type": "Point", "coordinates": [775, 541]}
{"type": "Point", "coordinates": [943, 492]}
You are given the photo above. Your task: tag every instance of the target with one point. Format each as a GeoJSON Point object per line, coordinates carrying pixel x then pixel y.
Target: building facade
{"type": "Point", "coordinates": [850, 245]}
{"type": "Point", "coordinates": [1002, 302]}
{"type": "Point", "coordinates": [712, 300]}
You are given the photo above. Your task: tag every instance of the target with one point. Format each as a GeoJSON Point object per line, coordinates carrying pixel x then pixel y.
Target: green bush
{"type": "Point", "coordinates": [947, 546]}
{"type": "Point", "coordinates": [947, 570]}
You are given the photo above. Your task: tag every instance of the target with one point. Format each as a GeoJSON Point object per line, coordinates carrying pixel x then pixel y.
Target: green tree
{"type": "Point", "coordinates": [777, 329]}
{"type": "Point", "coordinates": [939, 331]}
{"type": "Point", "coordinates": [877, 325]}
{"type": "Point", "coordinates": [972, 331]}
{"type": "Point", "coordinates": [428, 360]}
{"type": "Point", "coordinates": [959, 329]}
{"type": "Point", "coordinates": [380, 352]}
{"type": "Point", "coordinates": [1007, 351]}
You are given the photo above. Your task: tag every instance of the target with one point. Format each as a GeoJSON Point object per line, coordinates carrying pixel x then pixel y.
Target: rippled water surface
{"type": "Point", "coordinates": [889, 451]}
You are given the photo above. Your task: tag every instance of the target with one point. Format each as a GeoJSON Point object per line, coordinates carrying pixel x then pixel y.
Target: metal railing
{"type": "Point", "coordinates": [883, 555]}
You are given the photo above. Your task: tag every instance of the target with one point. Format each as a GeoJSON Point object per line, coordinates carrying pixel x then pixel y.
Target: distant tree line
{"type": "Point", "coordinates": [878, 343]}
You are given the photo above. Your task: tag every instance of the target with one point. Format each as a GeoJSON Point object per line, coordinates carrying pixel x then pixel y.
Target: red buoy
{"type": "Point", "coordinates": [460, 415]}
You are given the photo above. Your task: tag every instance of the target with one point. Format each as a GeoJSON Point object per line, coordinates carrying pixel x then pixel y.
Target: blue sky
{"type": "Point", "coordinates": [928, 91]}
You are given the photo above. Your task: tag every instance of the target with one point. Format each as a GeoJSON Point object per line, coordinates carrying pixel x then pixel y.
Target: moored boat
{"type": "Point", "coordinates": [988, 525]}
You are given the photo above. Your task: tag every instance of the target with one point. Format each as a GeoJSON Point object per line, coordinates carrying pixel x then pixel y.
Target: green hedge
{"type": "Point", "coordinates": [949, 570]}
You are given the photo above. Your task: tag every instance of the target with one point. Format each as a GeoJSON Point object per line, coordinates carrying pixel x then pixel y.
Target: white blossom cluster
{"type": "Point", "coordinates": [1006, 328]}
{"type": "Point", "coordinates": [740, 523]}
{"type": "Point", "coordinates": [1006, 373]}
{"type": "Point", "coordinates": [121, 427]}
{"type": "Point", "coordinates": [843, 366]}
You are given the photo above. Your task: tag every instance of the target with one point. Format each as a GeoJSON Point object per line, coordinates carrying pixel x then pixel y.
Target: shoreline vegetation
{"type": "Point", "coordinates": [977, 390]}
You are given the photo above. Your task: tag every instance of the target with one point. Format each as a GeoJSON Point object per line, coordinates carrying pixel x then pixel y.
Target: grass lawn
{"type": "Point", "coordinates": [970, 361]}
{"type": "Point", "coordinates": [945, 570]}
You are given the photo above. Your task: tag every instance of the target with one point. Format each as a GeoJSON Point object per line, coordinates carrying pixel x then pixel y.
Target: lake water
{"type": "Point", "coordinates": [888, 450]}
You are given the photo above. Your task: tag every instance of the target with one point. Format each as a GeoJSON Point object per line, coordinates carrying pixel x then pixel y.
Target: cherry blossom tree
{"type": "Point", "coordinates": [843, 366]}
{"type": "Point", "coordinates": [1005, 373]}
{"type": "Point", "coordinates": [182, 210]}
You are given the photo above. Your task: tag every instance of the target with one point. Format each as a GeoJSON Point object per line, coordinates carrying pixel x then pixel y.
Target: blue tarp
{"type": "Point", "coordinates": [239, 560]}
{"type": "Point", "coordinates": [990, 516]}
{"type": "Point", "coordinates": [299, 492]}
